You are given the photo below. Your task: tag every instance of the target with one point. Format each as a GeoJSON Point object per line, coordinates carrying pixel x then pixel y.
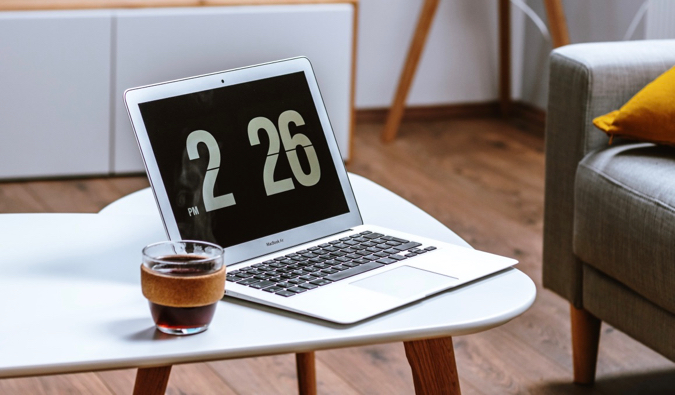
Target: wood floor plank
{"type": "Point", "coordinates": [80, 383]}
{"type": "Point", "coordinates": [277, 375]}
{"type": "Point", "coordinates": [196, 379]}
{"type": "Point", "coordinates": [16, 198]}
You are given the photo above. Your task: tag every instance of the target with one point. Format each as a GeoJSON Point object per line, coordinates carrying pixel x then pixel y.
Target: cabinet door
{"type": "Point", "coordinates": [155, 45]}
{"type": "Point", "coordinates": [54, 93]}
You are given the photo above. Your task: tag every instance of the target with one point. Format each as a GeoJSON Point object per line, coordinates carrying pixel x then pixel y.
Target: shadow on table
{"type": "Point", "coordinates": [650, 383]}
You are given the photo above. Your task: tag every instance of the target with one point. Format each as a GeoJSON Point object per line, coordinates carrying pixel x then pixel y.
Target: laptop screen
{"type": "Point", "coordinates": [244, 161]}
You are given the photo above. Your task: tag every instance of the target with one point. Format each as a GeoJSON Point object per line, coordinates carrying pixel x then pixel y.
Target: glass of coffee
{"type": "Point", "coordinates": [183, 281]}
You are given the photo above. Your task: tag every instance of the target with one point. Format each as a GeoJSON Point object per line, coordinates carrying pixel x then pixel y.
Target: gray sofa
{"type": "Point", "coordinates": [609, 217]}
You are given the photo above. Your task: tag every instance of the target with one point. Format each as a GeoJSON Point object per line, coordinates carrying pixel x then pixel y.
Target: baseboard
{"type": "Point", "coordinates": [532, 118]}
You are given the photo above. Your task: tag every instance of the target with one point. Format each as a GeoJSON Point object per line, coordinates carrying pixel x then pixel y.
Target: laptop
{"type": "Point", "coordinates": [247, 159]}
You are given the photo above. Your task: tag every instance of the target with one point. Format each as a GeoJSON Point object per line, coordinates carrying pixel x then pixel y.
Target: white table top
{"type": "Point", "coordinates": [71, 300]}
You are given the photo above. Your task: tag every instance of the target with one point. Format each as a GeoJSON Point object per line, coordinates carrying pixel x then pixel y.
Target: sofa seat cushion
{"type": "Point", "coordinates": [624, 217]}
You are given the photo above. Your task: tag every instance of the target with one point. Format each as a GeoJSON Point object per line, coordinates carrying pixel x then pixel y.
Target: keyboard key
{"type": "Point", "coordinates": [285, 293]}
{"type": "Point", "coordinates": [373, 235]}
{"type": "Point", "coordinates": [232, 277]}
{"type": "Point", "coordinates": [365, 232]}
{"type": "Point", "coordinates": [340, 267]}
{"type": "Point", "coordinates": [350, 264]}
{"type": "Point", "coordinates": [262, 284]}
{"type": "Point", "coordinates": [354, 271]}
{"type": "Point", "coordinates": [308, 286]}
{"type": "Point", "coordinates": [345, 238]}
{"type": "Point", "coordinates": [324, 245]}
{"type": "Point", "coordinates": [393, 243]}
{"type": "Point", "coordinates": [414, 250]}
{"type": "Point", "coordinates": [352, 256]}
{"type": "Point", "coordinates": [386, 261]}
{"type": "Point", "coordinates": [410, 255]}
{"type": "Point", "coordinates": [381, 254]}
{"type": "Point", "coordinates": [284, 285]}
{"type": "Point", "coordinates": [329, 271]}
{"type": "Point", "coordinates": [430, 248]}
{"type": "Point", "coordinates": [320, 282]}
{"type": "Point", "coordinates": [248, 281]}
{"type": "Point", "coordinates": [360, 261]}
{"type": "Point", "coordinates": [342, 259]}
{"type": "Point", "coordinates": [397, 257]}
{"type": "Point", "coordinates": [297, 290]}
{"type": "Point", "coordinates": [368, 244]}
{"type": "Point", "coordinates": [307, 278]}
{"type": "Point", "coordinates": [408, 245]}
{"type": "Point", "coordinates": [273, 289]}
{"type": "Point", "coordinates": [295, 281]}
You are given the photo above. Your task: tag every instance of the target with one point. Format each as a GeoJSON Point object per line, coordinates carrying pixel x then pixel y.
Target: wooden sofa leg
{"type": "Point", "coordinates": [306, 373]}
{"type": "Point", "coordinates": [585, 339]}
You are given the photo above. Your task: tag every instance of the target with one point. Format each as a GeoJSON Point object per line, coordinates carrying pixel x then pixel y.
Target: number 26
{"type": "Point", "coordinates": [290, 144]}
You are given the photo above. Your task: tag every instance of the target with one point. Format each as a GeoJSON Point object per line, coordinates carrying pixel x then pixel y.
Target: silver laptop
{"type": "Point", "coordinates": [247, 159]}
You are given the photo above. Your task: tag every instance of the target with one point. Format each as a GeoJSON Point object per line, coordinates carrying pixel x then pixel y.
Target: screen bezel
{"type": "Point", "coordinates": [257, 247]}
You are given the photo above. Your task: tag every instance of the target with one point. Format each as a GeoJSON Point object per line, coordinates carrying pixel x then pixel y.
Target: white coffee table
{"type": "Point", "coordinates": [70, 287]}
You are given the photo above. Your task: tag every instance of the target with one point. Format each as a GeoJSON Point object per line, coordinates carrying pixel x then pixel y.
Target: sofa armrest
{"type": "Point", "coordinates": [586, 80]}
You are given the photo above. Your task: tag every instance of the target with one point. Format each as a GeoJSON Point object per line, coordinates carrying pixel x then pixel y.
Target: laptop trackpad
{"type": "Point", "coordinates": [405, 281]}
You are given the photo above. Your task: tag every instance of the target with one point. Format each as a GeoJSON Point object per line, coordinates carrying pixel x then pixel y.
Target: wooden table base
{"type": "Point", "coordinates": [433, 366]}
{"type": "Point", "coordinates": [432, 362]}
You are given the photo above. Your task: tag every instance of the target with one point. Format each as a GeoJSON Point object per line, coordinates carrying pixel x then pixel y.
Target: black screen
{"type": "Point", "coordinates": [269, 177]}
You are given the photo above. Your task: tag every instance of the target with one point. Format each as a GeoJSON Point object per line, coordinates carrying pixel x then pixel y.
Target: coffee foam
{"type": "Point", "coordinates": [182, 291]}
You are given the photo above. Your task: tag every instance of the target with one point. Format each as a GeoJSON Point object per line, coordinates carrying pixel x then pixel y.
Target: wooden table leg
{"type": "Point", "coordinates": [433, 366]}
{"type": "Point", "coordinates": [414, 53]}
{"type": "Point", "coordinates": [152, 381]}
{"type": "Point", "coordinates": [306, 371]}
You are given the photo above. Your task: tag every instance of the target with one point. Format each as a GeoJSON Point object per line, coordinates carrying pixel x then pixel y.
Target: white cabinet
{"type": "Point", "coordinates": [154, 45]}
{"type": "Point", "coordinates": [54, 93]}
{"type": "Point", "coordinates": [63, 73]}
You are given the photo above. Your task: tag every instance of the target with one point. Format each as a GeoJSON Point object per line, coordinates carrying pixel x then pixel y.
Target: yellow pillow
{"type": "Point", "coordinates": [648, 116]}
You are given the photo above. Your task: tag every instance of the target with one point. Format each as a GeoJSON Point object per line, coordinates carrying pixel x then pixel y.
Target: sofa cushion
{"type": "Point", "coordinates": [648, 116]}
{"type": "Point", "coordinates": [624, 217]}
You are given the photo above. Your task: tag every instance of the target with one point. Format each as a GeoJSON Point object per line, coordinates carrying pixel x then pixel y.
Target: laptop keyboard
{"type": "Point", "coordinates": [326, 263]}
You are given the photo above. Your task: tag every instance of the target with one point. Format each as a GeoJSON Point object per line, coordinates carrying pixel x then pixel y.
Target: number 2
{"type": "Point", "coordinates": [210, 202]}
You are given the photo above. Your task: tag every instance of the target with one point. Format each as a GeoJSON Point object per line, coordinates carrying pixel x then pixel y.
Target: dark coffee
{"type": "Point", "coordinates": [179, 318]}
{"type": "Point", "coordinates": [183, 291]}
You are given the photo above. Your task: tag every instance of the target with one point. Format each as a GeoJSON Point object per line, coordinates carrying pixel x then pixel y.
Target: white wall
{"type": "Point", "coordinates": [460, 62]}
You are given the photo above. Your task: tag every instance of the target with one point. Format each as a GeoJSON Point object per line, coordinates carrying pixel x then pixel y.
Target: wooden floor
{"type": "Point", "coordinates": [483, 178]}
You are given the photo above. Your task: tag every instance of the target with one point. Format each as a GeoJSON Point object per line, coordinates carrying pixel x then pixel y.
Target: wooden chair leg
{"type": "Point", "coordinates": [433, 366]}
{"type": "Point", "coordinates": [306, 369]}
{"type": "Point", "coordinates": [414, 53]}
{"type": "Point", "coordinates": [557, 23]}
{"type": "Point", "coordinates": [152, 381]}
{"type": "Point", "coordinates": [504, 57]}
{"type": "Point", "coordinates": [585, 340]}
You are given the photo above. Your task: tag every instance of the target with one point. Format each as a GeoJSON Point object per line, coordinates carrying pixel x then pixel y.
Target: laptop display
{"type": "Point", "coordinates": [244, 161]}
